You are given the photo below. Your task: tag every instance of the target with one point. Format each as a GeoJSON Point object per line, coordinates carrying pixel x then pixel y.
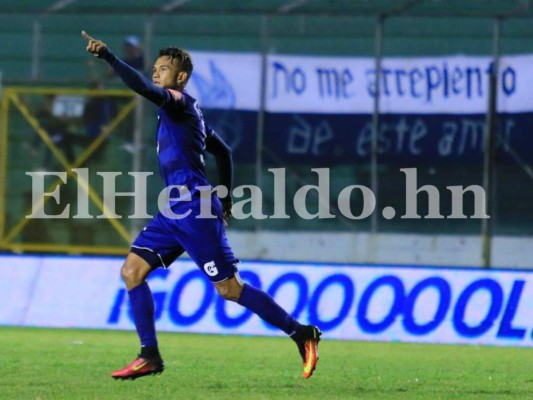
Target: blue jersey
{"type": "Point", "coordinates": [181, 132]}
{"type": "Point", "coordinates": [181, 137]}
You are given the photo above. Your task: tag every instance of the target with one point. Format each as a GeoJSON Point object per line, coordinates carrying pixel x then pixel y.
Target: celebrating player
{"type": "Point", "coordinates": [182, 138]}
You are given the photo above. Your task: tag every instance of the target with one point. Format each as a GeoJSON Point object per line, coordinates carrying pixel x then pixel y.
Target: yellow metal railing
{"type": "Point", "coordinates": [3, 163]}
{"type": "Point", "coordinates": [11, 100]}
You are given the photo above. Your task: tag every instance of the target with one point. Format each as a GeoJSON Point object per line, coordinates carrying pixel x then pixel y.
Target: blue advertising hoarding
{"type": "Point", "coordinates": [348, 302]}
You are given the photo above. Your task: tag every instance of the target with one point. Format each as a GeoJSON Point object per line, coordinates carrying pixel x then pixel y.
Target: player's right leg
{"type": "Point", "coordinates": [153, 248]}
{"type": "Point", "coordinates": [157, 245]}
{"type": "Point", "coordinates": [148, 362]}
{"type": "Point", "coordinates": [139, 367]}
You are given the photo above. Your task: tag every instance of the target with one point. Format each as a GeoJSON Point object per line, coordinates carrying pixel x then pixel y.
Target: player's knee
{"type": "Point", "coordinates": [226, 293]}
{"type": "Point", "coordinates": [135, 270]}
{"type": "Point", "coordinates": [131, 275]}
{"type": "Point", "coordinates": [229, 292]}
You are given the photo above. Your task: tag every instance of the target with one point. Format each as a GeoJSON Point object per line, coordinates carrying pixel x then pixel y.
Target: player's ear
{"type": "Point", "coordinates": [182, 77]}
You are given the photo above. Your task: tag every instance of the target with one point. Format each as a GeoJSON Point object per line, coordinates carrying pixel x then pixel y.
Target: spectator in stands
{"type": "Point", "coordinates": [57, 129]}
{"type": "Point", "coordinates": [133, 53]}
{"type": "Point", "coordinates": [99, 110]}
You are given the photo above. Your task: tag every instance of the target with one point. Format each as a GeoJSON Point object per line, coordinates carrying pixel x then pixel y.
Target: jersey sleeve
{"type": "Point", "coordinates": [209, 132]}
{"type": "Point", "coordinates": [176, 98]}
{"type": "Point", "coordinates": [222, 152]}
{"type": "Point", "coordinates": [139, 83]}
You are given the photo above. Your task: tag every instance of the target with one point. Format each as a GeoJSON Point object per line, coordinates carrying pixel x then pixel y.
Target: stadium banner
{"type": "Point", "coordinates": [402, 139]}
{"type": "Point", "coordinates": [347, 85]}
{"type": "Point", "coordinates": [363, 302]}
{"type": "Point", "coordinates": [320, 139]}
{"type": "Point", "coordinates": [319, 109]}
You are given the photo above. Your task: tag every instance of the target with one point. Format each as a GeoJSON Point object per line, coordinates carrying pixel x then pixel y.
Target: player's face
{"type": "Point", "coordinates": [165, 72]}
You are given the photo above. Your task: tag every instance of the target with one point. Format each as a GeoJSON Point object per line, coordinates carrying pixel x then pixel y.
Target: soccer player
{"type": "Point", "coordinates": [182, 138]}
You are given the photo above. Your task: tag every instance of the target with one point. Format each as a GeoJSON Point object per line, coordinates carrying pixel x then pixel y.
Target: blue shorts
{"type": "Point", "coordinates": [204, 239]}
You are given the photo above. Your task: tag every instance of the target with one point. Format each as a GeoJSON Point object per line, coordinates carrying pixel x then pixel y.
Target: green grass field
{"type": "Point", "coordinates": [75, 364]}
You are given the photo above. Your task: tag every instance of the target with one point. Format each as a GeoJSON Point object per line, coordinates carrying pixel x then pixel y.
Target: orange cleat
{"type": "Point", "coordinates": [307, 338]}
{"type": "Point", "coordinates": [139, 367]}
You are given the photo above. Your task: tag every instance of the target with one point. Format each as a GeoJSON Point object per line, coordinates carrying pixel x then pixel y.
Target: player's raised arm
{"type": "Point", "coordinates": [131, 77]}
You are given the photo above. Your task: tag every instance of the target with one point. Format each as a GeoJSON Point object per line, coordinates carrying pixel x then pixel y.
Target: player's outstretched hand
{"type": "Point", "coordinates": [94, 46]}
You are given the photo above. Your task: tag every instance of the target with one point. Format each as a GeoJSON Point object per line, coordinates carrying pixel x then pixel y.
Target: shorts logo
{"type": "Point", "coordinates": [210, 268]}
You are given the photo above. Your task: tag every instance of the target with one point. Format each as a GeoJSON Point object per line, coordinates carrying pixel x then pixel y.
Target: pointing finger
{"type": "Point", "coordinates": [86, 37]}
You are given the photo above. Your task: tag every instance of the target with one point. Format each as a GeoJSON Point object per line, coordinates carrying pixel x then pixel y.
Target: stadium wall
{"type": "Point", "coordinates": [348, 302]}
{"type": "Point", "coordinates": [402, 249]}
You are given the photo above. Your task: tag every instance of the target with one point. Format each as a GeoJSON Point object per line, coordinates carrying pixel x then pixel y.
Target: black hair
{"type": "Point", "coordinates": [184, 59]}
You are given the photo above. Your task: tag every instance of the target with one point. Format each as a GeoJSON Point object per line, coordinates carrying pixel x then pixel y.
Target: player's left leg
{"type": "Point", "coordinates": [306, 337]}
{"type": "Point", "coordinates": [258, 302]}
{"type": "Point", "coordinates": [206, 242]}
